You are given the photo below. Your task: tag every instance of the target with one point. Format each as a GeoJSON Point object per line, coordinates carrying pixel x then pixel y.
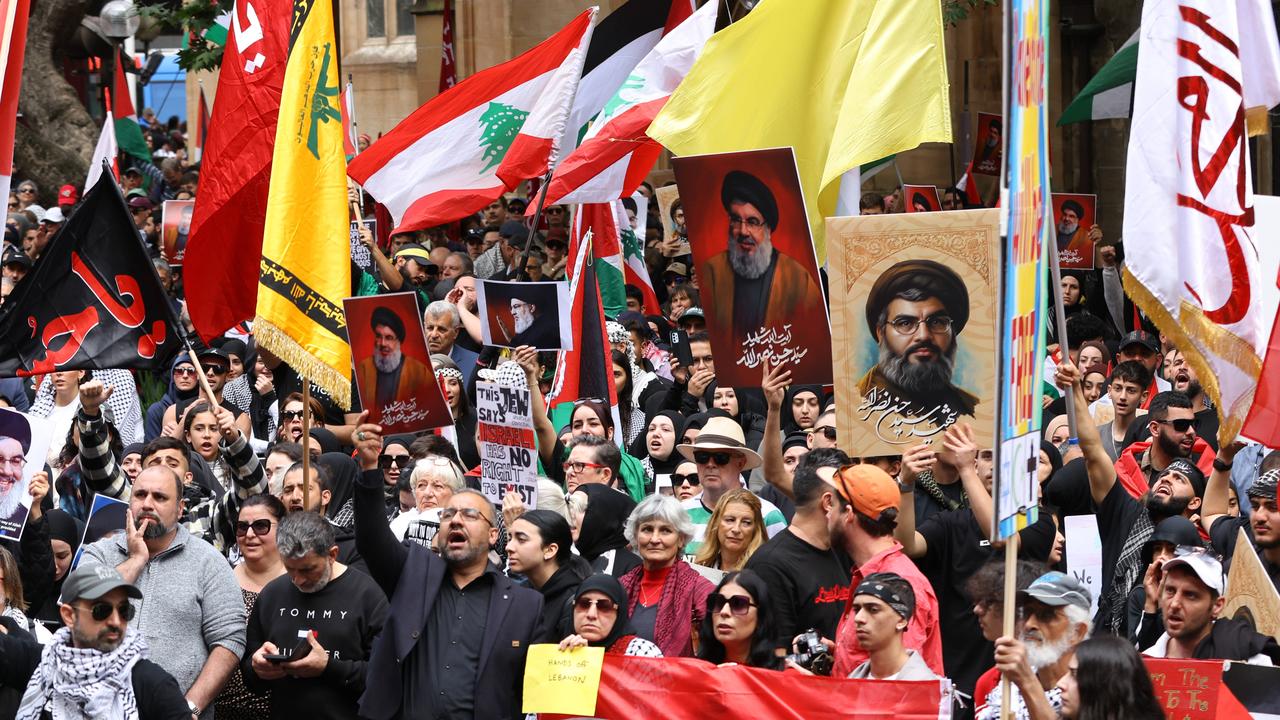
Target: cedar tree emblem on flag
{"type": "Point", "coordinates": [501, 125]}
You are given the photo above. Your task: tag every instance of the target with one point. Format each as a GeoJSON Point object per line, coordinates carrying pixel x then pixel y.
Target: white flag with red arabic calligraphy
{"type": "Point", "coordinates": [1190, 237]}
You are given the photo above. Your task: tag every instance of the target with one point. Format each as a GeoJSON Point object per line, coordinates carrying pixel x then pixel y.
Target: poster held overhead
{"type": "Point", "coordinates": [504, 437]}
{"type": "Point", "coordinates": [1073, 216]}
{"type": "Point", "coordinates": [525, 313]}
{"type": "Point", "coordinates": [175, 226]}
{"type": "Point", "coordinates": [24, 442]}
{"type": "Point", "coordinates": [988, 145]}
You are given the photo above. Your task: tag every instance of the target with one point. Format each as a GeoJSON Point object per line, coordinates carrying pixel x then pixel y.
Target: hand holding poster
{"type": "Point", "coordinates": [364, 233]}
{"type": "Point", "coordinates": [562, 681]}
{"type": "Point", "coordinates": [393, 368]}
{"type": "Point", "coordinates": [504, 437]}
{"type": "Point", "coordinates": [23, 446]}
{"type": "Point", "coordinates": [175, 223]}
{"type": "Point", "coordinates": [1073, 221]}
{"type": "Point", "coordinates": [525, 313]}
{"type": "Point", "coordinates": [754, 259]}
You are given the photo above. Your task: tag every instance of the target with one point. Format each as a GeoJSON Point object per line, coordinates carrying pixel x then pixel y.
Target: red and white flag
{"type": "Point", "coordinates": [13, 41]}
{"type": "Point", "coordinates": [468, 145]}
{"type": "Point", "coordinates": [969, 186]}
{"type": "Point", "coordinates": [1192, 259]}
{"type": "Point", "coordinates": [616, 154]}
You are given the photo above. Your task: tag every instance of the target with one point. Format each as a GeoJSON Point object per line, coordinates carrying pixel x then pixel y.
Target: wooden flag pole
{"type": "Point", "coordinates": [1060, 323]}
{"type": "Point", "coordinates": [306, 436]}
{"type": "Point", "coordinates": [1010, 615]}
{"type": "Point", "coordinates": [201, 377]}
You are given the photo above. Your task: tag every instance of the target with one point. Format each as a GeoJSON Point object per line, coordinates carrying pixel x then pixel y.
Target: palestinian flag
{"type": "Point", "coordinates": [1110, 93]}
{"type": "Point", "coordinates": [129, 135]}
{"type": "Point", "coordinates": [218, 31]}
{"type": "Point", "coordinates": [104, 155]}
{"type": "Point", "coordinates": [637, 272]}
{"type": "Point", "coordinates": [616, 154]}
{"type": "Point", "coordinates": [618, 253]}
{"type": "Point", "coordinates": [468, 145]}
{"type": "Point", "coordinates": [586, 371]}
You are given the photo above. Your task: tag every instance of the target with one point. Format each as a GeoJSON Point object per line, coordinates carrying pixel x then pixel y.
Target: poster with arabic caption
{"type": "Point", "coordinates": [757, 271]}
{"type": "Point", "coordinates": [394, 377]}
{"type": "Point", "coordinates": [1073, 216]}
{"type": "Point", "coordinates": [914, 301]}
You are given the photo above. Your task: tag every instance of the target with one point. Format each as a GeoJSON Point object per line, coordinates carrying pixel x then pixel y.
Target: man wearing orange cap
{"type": "Point", "coordinates": [862, 522]}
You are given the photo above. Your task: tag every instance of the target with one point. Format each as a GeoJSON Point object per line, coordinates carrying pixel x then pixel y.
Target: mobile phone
{"type": "Point", "coordinates": [680, 346]}
{"type": "Point", "coordinates": [302, 650]}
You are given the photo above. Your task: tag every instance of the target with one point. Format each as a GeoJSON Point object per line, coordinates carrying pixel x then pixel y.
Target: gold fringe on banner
{"type": "Point", "coordinates": [1256, 122]}
{"type": "Point", "coordinates": [304, 363]}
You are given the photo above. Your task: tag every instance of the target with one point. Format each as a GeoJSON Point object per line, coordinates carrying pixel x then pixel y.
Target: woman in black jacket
{"type": "Point", "coordinates": [540, 547]}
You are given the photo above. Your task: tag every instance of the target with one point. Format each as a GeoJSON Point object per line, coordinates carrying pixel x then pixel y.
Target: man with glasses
{"type": "Point", "coordinates": [193, 621]}
{"type": "Point", "coordinates": [447, 613]}
{"type": "Point", "coordinates": [89, 656]}
{"type": "Point", "coordinates": [916, 311]}
{"type": "Point", "coordinates": [754, 285]}
{"type": "Point", "coordinates": [322, 617]}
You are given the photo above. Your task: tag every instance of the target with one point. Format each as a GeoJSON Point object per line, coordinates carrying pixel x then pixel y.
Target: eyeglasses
{"type": "Point", "coordinates": [936, 324]}
{"type": "Point", "coordinates": [1181, 424]}
{"type": "Point", "coordinates": [702, 457]}
{"type": "Point", "coordinates": [604, 605]}
{"type": "Point", "coordinates": [577, 466]}
{"type": "Point", "coordinates": [291, 415]}
{"type": "Point", "coordinates": [101, 610]}
{"type": "Point", "coordinates": [752, 224]}
{"type": "Point", "coordinates": [738, 604]}
{"type": "Point", "coordinates": [259, 527]}
{"type": "Point", "coordinates": [386, 461]}
{"type": "Point", "coordinates": [184, 371]}
{"type": "Point", "coordinates": [448, 514]}
{"type": "Point", "coordinates": [679, 479]}
{"type": "Point", "coordinates": [827, 431]}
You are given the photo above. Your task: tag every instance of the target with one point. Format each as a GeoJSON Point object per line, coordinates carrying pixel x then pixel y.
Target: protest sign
{"type": "Point", "coordinates": [525, 313]}
{"type": "Point", "coordinates": [562, 682]}
{"type": "Point", "coordinates": [1084, 554]}
{"type": "Point", "coordinates": [361, 255]}
{"type": "Point", "coordinates": [921, 198]}
{"type": "Point", "coordinates": [1254, 687]}
{"type": "Point", "coordinates": [1186, 689]}
{"type": "Point", "coordinates": [910, 369]}
{"type": "Point", "coordinates": [1253, 596]}
{"type": "Point", "coordinates": [675, 233]}
{"type": "Point", "coordinates": [756, 268]}
{"type": "Point", "coordinates": [394, 376]}
{"type": "Point", "coordinates": [175, 225]}
{"type": "Point", "coordinates": [1073, 216]}
{"type": "Point", "coordinates": [987, 146]}
{"type": "Point", "coordinates": [24, 443]}
{"type": "Point", "coordinates": [504, 437]}
{"type": "Point", "coordinates": [107, 517]}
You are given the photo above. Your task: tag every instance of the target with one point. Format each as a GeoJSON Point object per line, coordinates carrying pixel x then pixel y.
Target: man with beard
{"type": "Point", "coordinates": [15, 443]}
{"type": "Point", "coordinates": [1261, 525]}
{"type": "Point", "coordinates": [916, 311]}
{"type": "Point", "coordinates": [1056, 619]}
{"type": "Point", "coordinates": [193, 622]}
{"type": "Point", "coordinates": [447, 613]}
{"type": "Point", "coordinates": [1125, 520]}
{"type": "Point", "coordinates": [751, 285]}
{"type": "Point", "coordinates": [1074, 244]}
{"type": "Point", "coordinates": [319, 492]}
{"type": "Point", "coordinates": [322, 616]}
{"type": "Point", "coordinates": [533, 326]}
{"type": "Point", "coordinates": [388, 372]}
{"type": "Point", "coordinates": [1184, 379]}
{"type": "Point", "coordinates": [1171, 423]}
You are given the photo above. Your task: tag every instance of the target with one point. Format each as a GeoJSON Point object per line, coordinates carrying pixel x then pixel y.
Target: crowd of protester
{"type": "Point", "coordinates": [376, 580]}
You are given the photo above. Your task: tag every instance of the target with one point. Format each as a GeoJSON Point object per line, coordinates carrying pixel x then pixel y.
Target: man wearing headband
{"type": "Point", "coordinates": [883, 604]}
{"type": "Point", "coordinates": [394, 376]}
{"type": "Point", "coordinates": [1261, 524]}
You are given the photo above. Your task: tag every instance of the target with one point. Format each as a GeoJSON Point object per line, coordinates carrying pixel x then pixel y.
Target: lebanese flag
{"type": "Point", "coordinates": [105, 152]}
{"type": "Point", "coordinates": [616, 154]}
{"type": "Point", "coordinates": [231, 207]}
{"type": "Point", "coordinates": [468, 145]}
{"type": "Point", "coordinates": [13, 40]}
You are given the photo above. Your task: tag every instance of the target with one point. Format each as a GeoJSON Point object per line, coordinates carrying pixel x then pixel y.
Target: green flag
{"type": "Point", "coordinates": [1110, 93]}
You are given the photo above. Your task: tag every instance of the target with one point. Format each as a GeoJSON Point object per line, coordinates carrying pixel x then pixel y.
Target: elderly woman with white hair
{"type": "Point", "coordinates": [434, 480]}
{"type": "Point", "coordinates": [667, 597]}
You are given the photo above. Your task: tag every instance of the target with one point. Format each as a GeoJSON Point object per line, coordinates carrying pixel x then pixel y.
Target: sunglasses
{"type": "Point", "coordinates": [386, 461]}
{"type": "Point", "coordinates": [702, 457]}
{"type": "Point", "coordinates": [738, 604]}
{"type": "Point", "coordinates": [184, 371]}
{"type": "Point", "coordinates": [101, 610]}
{"type": "Point", "coordinates": [259, 527]}
{"type": "Point", "coordinates": [604, 605]}
{"type": "Point", "coordinates": [828, 432]}
{"type": "Point", "coordinates": [679, 479]}
{"type": "Point", "coordinates": [214, 370]}
{"type": "Point", "coordinates": [291, 415]}
{"type": "Point", "coordinates": [1181, 425]}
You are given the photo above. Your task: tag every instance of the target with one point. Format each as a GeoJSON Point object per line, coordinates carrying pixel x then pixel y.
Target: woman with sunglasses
{"type": "Point", "coordinates": [738, 625]}
{"type": "Point", "coordinates": [183, 385]}
{"type": "Point", "coordinates": [256, 525]}
{"type": "Point", "coordinates": [736, 529]}
{"type": "Point", "coordinates": [685, 483]}
{"type": "Point", "coordinates": [600, 619]}
{"type": "Point", "coordinates": [602, 537]}
{"type": "Point", "coordinates": [393, 462]}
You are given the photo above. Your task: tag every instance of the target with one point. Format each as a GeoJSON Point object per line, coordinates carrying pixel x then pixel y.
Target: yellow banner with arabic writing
{"type": "Point", "coordinates": [306, 268]}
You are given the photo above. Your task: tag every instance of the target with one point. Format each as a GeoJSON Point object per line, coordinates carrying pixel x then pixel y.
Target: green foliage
{"type": "Point", "coordinates": [151, 387]}
{"type": "Point", "coordinates": [953, 11]}
{"type": "Point", "coordinates": [192, 18]}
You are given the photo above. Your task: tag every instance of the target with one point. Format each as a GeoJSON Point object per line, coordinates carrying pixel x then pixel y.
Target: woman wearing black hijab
{"type": "Point", "coordinates": [64, 539]}
{"type": "Point", "coordinates": [801, 408]}
{"type": "Point", "coordinates": [600, 539]}
{"type": "Point", "coordinates": [656, 447]}
{"type": "Point", "coordinates": [600, 619]}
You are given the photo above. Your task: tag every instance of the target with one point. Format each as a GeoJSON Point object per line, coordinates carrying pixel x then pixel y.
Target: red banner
{"type": "Point", "coordinates": [689, 689]}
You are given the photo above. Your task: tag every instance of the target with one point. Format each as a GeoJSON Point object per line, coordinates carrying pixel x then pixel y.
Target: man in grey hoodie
{"type": "Point", "coordinates": [193, 615]}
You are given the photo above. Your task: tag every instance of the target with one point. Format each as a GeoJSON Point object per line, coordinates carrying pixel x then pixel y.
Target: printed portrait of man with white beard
{"type": "Point", "coordinates": [19, 460]}
{"type": "Point", "coordinates": [394, 376]}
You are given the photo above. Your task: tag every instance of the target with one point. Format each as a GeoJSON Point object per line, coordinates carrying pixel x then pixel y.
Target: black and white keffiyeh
{"type": "Point", "coordinates": [84, 684]}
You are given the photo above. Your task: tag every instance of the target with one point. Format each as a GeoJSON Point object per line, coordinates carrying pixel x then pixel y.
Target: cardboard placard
{"type": "Point", "coordinates": [107, 517]}
{"type": "Point", "coordinates": [987, 150]}
{"type": "Point", "coordinates": [1084, 554]}
{"type": "Point", "coordinates": [360, 253]}
{"type": "Point", "coordinates": [1250, 593]}
{"type": "Point", "coordinates": [1186, 689]}
{"type": "Point", "coordinates": [921, 198]}
{"type": "Point", "coordinates": [565, 682]}
{"type": "Point", "coordinates": [675, 230]}
{"type": "Point", "coordinates": [504, 438]}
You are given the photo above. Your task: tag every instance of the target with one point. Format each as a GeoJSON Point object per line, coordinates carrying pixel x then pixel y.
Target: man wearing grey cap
{"type": "Point", "coordinates": [1056, 618]}
{"type": "Point", "coordinates": [94, 667]}
{"type": "Point", "coordinates": [1261, 524]}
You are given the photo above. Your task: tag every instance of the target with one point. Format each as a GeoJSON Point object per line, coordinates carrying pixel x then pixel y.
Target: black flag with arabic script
{"type": "Point", "coordinates": [92, 301]}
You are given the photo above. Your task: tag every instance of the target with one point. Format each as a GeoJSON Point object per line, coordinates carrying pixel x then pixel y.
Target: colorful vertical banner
{"type": "Point", "coordinates": [1023, 298]}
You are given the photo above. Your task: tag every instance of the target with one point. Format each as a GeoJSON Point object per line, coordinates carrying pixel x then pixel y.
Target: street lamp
{"type": "Point", "coordinates": [120, 19]}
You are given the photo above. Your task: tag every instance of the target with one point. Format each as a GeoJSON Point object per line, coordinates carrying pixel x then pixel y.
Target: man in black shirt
{"type": "Point", "coordinates": [337, 613]}
{"type": "Point", "coordinates": [457, 632]}
{"type": "Point", "coordinates": [808, 580]}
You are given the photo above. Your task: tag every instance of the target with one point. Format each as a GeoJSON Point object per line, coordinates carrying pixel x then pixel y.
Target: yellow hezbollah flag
{"type": "Point", "coordinates": [844, 82]}
{"type": "Point", "coordinates": [306, 251]}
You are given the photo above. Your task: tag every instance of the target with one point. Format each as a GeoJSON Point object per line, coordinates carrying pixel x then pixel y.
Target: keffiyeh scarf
{"type": "Point", "coordinates": [84, 684]}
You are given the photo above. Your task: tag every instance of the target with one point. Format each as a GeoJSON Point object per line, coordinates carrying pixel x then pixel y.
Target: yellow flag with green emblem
{"type": "Point", "coordinates": [306, 251]}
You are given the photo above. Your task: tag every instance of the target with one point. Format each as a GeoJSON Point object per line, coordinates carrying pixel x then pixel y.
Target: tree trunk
{"type": "Point", "coordinates": [55, 134]}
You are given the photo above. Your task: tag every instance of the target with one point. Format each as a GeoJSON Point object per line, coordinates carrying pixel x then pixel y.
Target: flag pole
{"type": "Point", "coordinates": [306, 435]}
{"type": "Point", "coordinates": [200, 376]}
{"type": "Point", "coordinates": [522, 274]}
